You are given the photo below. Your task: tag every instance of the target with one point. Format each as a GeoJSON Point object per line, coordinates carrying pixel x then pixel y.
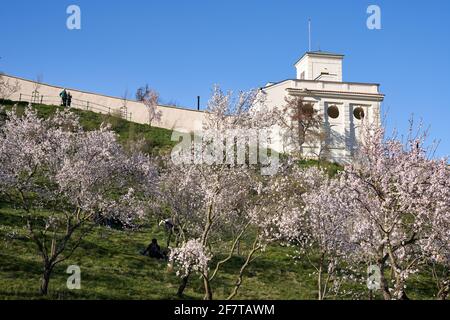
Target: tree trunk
{"type": "Point", "coordinates": [184, 282]}
{"type": "Point", "coordinates": [319, 278]}
{"type": "Point", "coordinates": [403, 295]}
{"type": "Point", "coordinates": [240, 278]}
{"type": "Point", "coordinates": [208, 291]}
{"type": "Point", "coordinates": [383, 283]}
{"type": "Point", "coordinates": [169, 237]}
{"type": "Point", "coordinates": [207, 229]}
{"type": "Point", "coordinates": [444, 287]}
{"type": "Point", "coordinates": [45, 279]}
{"type": "Point", "coordinates": [443, 293]}
{"type": "Point", "coordinates": [399, 286]}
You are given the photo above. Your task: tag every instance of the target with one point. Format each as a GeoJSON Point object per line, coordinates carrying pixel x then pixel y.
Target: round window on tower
{"type": "Point", "coordinates": [333, 112]}
{"type": "Point", "coordinates": [359, 113]}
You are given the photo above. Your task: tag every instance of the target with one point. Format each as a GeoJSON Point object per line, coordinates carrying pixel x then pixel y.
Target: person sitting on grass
{"type": "Point", "coordinates": [154, 250]}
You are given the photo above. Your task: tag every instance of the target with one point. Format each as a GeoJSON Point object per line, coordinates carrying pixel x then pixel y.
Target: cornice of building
{"type": "Point", "coordinates": [378, 97]}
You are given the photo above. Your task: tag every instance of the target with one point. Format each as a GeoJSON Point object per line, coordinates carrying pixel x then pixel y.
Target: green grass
{"type": "Point", "coordinates": [112, 268]}
{"type": "Point", "coordinates": [330, 167]}
{"type": "Point", "coordinates": [157, 140]}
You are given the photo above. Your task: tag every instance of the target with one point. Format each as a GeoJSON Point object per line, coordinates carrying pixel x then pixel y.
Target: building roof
{"type": "Point", "coordinates": [320, 53]}
{"type": "Point", "coordinates": [326, 53]}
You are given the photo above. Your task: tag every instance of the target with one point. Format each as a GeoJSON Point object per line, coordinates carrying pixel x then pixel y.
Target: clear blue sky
{"type": "Point", "coordinates": [181, 48]}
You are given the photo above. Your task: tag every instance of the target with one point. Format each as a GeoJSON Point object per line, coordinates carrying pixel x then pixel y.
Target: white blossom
{"type": "Point", "coordinates": [190, 257]}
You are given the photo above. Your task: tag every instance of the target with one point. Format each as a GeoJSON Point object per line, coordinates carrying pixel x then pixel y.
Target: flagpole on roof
{"type": "Point", "coordinates": [309, 34]}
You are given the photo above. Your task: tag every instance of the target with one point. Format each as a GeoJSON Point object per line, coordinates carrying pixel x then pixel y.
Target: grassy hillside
{"type": "Point", "coordinates": [156, 139]}
{"type": "Point", "coordinates": [112, 267]}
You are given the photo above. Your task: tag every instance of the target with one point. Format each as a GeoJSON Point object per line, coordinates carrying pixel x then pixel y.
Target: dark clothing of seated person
{"type": "Point", "coordinates": [154, 250]}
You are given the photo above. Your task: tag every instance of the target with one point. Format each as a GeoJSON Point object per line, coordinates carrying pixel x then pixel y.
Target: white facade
{"type": "Point", "coordinates": [173, 118]}
{"type": "Point", "coordinates": [320, 66]}
{"type": "Point", "coordinates": [319, 81]}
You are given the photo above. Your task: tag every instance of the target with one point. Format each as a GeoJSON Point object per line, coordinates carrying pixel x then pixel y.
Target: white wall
{"type": "Point", "coordinates": [344, 131]}
{"type": "Point", "coordinates": [313, 65]}
{"type": "Point", "coordinates": [183, 120]}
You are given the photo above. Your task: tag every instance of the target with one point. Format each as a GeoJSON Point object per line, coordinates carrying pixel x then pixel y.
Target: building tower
{"type": "Point", "coordinates": [344, 106]}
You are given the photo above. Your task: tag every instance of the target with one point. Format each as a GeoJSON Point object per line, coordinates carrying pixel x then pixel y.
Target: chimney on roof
{"type": "Point", "coordinates": [198, 103]}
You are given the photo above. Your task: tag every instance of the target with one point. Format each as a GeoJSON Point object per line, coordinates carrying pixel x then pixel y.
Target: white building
{"type": "Point", "coordinates": [342, 105]}
{"type": "Point", "coordinates": [319, 81]}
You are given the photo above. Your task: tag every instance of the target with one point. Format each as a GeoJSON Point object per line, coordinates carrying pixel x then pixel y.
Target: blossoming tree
{"type": "Point", "coordinates": [149, 98]}
{"type": "Point", "coordinates": [302, 219]}
{"type": "Point", "coordinates": [397, 201]}
{"type": "Point", "coordinates": [80, 177]}
{"type": "Point", "coordinates": [301, 125]}
{"type": "Point", "coordinates": [216, 204]}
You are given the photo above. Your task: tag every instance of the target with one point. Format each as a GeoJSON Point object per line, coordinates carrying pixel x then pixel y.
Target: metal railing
{"type": "Point", "coordinates": [36, 98]}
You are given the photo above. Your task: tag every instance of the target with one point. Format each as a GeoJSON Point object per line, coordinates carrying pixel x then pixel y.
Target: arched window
{"type": "Point", "coordinates": [359, 113]}
{"type": "Point", "coordinates": [333, 112]}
